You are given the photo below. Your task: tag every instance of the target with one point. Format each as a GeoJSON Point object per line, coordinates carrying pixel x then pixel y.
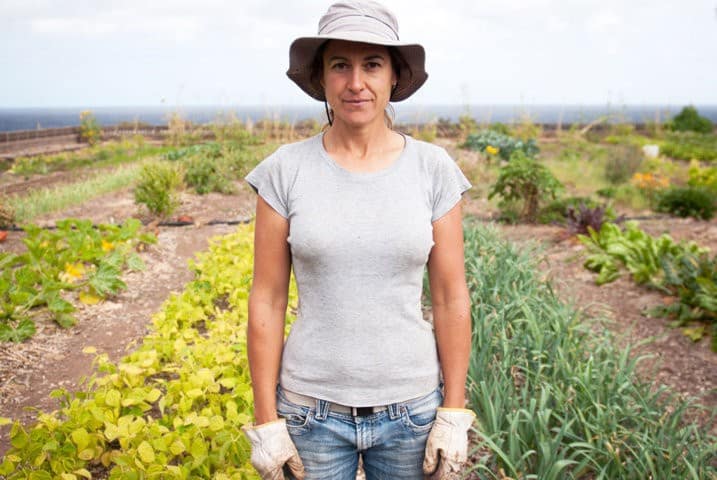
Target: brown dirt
{"type": "Point", "coordinates": [53, 357]}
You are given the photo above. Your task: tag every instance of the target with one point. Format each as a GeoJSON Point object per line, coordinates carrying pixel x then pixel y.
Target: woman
{"type": "Point", "coordinates": [359, 211]}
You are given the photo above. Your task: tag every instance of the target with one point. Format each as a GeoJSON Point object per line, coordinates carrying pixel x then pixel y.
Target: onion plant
{"type": "Point", "coordinates": [556, 401]}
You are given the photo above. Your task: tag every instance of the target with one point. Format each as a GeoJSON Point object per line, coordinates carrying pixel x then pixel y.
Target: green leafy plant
{"type": "Point", "coordinates": [76, 257]}
{"type": "Point", "coordinates": [206, 174]}
{"type": "Point", "coordinates": [174, 407]}
{"type": "Point", "coordinates": [158, 187]}
{"type": "Point", "coordinates": [687, 202]}
{"type": "Point", "coordinates": [689, 120]}
{"type": "Point", "coordinates": [504, 144]}
{"type": "Point", "coordinates": [682, 270]}
{"type": "Point", "coordinates": [526, 180]}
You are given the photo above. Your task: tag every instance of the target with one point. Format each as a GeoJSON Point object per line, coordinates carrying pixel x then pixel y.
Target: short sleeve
{"type": "Point", "coordinates": [449, 183]}
{"type": "Point", "coordinates": [269, 181]}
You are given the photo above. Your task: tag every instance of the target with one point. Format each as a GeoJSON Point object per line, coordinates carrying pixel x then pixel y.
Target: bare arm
{"type": "Point", "coordinates": [268, 300]}
{"type": "Point", "coordinates": [451, 305]}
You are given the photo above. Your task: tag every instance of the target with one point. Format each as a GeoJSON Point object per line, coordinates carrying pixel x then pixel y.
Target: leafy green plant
{"type": "Point", "coordinates": [683, 270]}
{"type": "Point", "coordinates": [504, 144]}
{"type": "Point", "coordinates": [75, 257]}
{"type": "Point", "coordinates": [158, 187]}
{"type": "Point", "coordinates": [208, 173]}
{"type": "Point", "coordinates": [687, 202]}
{"type": "Point", "coordinates": [526, 180]}
{"type": "Point", "coordinates": [171, 409]}
{"type": "Point", "coordinates": [689, 120]}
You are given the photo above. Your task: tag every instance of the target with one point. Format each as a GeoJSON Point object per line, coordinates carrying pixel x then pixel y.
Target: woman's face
{"type": "Point", "coordinates": [357, 81]}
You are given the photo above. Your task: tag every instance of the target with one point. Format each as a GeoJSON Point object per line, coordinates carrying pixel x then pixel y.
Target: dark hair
{"type": "Point", "coordinates": [398, 64]}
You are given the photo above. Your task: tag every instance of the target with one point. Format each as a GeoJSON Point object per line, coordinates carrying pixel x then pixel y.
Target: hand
{"type": "Point", "coordinates": [447, 445]}
{"type": "Point", "coordinates": [271, 448]}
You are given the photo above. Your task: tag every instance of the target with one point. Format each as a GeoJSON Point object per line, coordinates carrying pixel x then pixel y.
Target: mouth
{"type": "Point", "coordinates": [358, 101]}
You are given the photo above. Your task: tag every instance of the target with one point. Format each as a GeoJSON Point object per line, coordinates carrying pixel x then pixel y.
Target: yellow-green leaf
{"type": "Point", "coordinates": [146, 452]}
{"type": "Point", "coordinates": [89, 298]}
{"type": "Point", "coordinates": [81, 438]}
{"type": "Point", "coordinates": [176, 447]}
{"type": "Point", "coordinates": [216, 423]}
{"type": "Point", "coordinates": [153, 395]}
{"type": "Point", "coordinates": [86, 454]}
{"type": "Point", "coordinates": [83, 473]}
{"type": "Point", "coordinates": [113, 398]}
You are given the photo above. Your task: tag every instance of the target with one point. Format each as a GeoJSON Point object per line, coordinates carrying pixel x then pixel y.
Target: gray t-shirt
{"type": "Point", "coordinates": [359, 245]}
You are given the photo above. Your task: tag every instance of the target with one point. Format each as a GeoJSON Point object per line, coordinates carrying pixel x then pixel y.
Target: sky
{"type": "Point", "coordinates": [94, 53]}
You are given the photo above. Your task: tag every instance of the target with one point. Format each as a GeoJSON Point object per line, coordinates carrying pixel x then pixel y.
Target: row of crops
{"type": "Point", "coordinates": [552, 399]}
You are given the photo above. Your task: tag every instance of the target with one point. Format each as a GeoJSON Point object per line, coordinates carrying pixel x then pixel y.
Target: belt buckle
{"type": "Point", "coordinates": [361, 411]}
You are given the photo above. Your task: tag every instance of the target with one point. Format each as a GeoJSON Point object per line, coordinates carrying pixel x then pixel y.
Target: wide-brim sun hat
{"type": "Point", "coordinates": [357, 21]}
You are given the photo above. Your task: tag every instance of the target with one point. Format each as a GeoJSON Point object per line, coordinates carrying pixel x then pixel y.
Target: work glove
{"type": "Point", "coordinates": [271, 448]}
{"type": "Point", "coordinates": [447, 445]}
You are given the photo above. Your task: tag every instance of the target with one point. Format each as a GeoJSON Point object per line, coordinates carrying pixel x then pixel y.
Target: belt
{"type": "Point", "coordinates": [308, 401]}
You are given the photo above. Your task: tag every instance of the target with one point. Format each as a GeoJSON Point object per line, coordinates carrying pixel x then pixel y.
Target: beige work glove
{"type": "Point", "coordinates": [447, 445]}
{"type": "Point", "coordinates": [271, 448]}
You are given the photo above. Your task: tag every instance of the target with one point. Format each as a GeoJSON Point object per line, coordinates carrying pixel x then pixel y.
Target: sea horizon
{"type": "Point", "coordinates": [32, 118]}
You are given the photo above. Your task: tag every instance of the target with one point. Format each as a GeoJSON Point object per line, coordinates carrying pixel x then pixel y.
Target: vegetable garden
{"type": "Point", "coordinates": [560, 390]}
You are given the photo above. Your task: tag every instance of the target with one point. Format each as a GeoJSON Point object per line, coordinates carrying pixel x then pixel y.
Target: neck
{"type": "Point", "coordinates": [359, 142]}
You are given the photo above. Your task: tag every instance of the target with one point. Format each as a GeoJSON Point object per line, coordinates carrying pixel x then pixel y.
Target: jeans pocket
{"type": "Point", "coordinates": [298, 417]}
{"type": "Point", "coordinates": [420, 414]}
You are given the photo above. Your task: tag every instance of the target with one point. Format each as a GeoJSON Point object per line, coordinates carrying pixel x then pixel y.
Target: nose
{"type": "Point", "coordinates": [356, 82]}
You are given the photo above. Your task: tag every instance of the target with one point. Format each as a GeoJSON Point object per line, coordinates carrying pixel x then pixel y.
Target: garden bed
{"type": "Point", "coordinates": [53, 358]}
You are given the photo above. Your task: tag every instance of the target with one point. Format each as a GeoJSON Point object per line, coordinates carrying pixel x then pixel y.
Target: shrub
{"type": "Point", "coordinates": [689, 120]}
{"type": "Point", "coordinates": [90, 130]}
{"type": "Point", "coordinates": [623, 162]}
{"type": "Point", "coordinates": [158, 188]}
{"type": "Point", "coordinates": [687, 202]}
{"type": "Point", "coordinates": [703, 177]}
{"type": "Point", "coordinates": [207, 174]}
{"type": "Point", "coordinates": [524, 179]}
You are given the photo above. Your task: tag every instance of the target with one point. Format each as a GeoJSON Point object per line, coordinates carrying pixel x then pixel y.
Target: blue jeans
{"type": "Point", "coordinates": [392, 441]}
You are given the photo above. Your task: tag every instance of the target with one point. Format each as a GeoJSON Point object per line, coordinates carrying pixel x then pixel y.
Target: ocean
{"type": "Point", "coordinates": [12, 119]}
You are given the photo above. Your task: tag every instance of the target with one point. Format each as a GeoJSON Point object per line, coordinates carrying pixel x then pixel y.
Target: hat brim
{"type": "Point", "coordinates": [303, 51]}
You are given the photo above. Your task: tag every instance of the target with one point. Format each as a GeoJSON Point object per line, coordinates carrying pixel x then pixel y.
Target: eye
{"type": "Point", "coordinates": [373, 65]}
{"type": "Point", "coordinates": [339, 66]}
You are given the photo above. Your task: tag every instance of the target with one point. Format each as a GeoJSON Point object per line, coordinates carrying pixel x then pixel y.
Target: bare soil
{"type": "Point", "coordinates": [53, 358]}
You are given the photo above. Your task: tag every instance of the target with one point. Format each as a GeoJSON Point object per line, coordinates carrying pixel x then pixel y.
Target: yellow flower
{"type": "Point", "coordinates": [73, 272]}
{"type": "Point", "coordinates": [107, 246]}
{"type": "Point", "coordinates": [492, 150]}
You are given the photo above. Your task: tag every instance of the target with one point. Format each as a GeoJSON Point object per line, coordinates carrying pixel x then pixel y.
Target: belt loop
{"type": "Point", "coordinates": [394, 410]}
{"type": "Point", "coordinates": [322, 409]}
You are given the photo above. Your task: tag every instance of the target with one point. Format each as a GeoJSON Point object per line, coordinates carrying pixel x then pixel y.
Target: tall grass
{"type": "Point", "coordinates": [555, 401]}
{"type": "Point", "coordinates": [53, 199]}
